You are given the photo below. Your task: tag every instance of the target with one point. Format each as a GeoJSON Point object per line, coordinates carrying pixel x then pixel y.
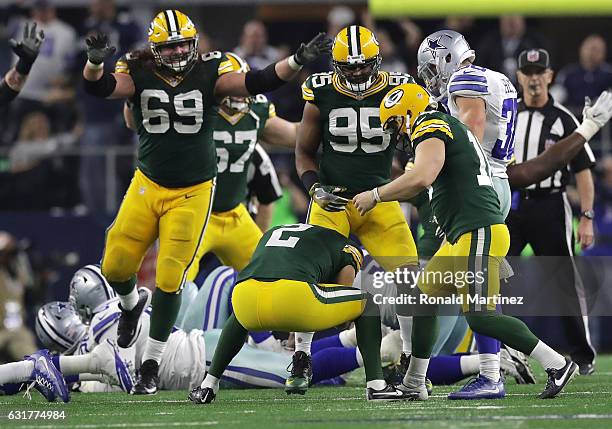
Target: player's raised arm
{"type": "Point", "coordinates": [561, 153]}
{"type": "Point", "coordinates": [99, 83]}
{"type": "Point", "coordinates": [275, 75]}
{"type": "Point", "coordinates": [280, 132]}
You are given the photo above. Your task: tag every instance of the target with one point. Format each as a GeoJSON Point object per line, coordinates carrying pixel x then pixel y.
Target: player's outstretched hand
{"type": "Point", "coordinates": [98, 48]}
{"type": "Point", "coordinates": [327, 197]}
{"type": "Point", "coordinates": [308, 52]}
{"type": "Point", "coordinates": [364, 202]}
{"type": "Point", "coordinates": [595, 116]}
{"type": "Point", "coordinates": [27, 49]}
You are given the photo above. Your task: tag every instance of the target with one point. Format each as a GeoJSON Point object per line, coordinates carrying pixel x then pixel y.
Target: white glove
{"type": "Point", "coordinates": [595, 116]}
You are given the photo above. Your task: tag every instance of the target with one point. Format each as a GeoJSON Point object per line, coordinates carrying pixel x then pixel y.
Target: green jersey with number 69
{"type": "Point", "coordinates": [175, 117]}
{"type": "Point", "coordinates": [307, 253]}
{"type": "Point", "coordinates": [235, 138]}
{"type": "Point", "coordinates": [356, 152]}
{"type": "Point", "coordinates": [463, 198]}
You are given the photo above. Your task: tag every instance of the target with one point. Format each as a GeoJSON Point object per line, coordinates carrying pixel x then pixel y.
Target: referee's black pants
{"type": "Point", "coordinates": [544, 220]}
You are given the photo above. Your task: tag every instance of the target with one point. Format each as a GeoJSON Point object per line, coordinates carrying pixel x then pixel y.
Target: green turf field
{"type": "Point", "coordinates": [587, 403]}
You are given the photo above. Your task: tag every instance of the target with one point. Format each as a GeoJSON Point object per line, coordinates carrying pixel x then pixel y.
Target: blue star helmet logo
{"type": "Point", "coordinates": [434, 45]}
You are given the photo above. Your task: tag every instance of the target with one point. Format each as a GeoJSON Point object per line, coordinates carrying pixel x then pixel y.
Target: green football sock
{"type": "Point", "coordinates": [231, 340]}
{"type": "Point", "coordinates": [165, 308]}
{"type": "Point", "coordinates": [509, 330]}
{"type": "Point", "coordinates": [367, 327]}
{"type": "Point", "coordinates": [124, 288]}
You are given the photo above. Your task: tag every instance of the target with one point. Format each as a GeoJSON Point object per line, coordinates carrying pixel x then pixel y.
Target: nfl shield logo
{"type": "Point", "coordinates": [533, 56]}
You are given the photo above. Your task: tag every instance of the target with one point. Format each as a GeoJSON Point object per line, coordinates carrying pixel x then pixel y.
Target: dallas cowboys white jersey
{"type": "Point", "coordinates": [500, 99]}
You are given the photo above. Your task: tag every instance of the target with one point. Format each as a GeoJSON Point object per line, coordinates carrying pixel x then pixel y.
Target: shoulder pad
{"type": "Point", "coordinates": [314, 82]}
{"type": "Point", "coordinates": [430, 122]}
{"type": "Point", "coordinates": [260, 98]}
{"type": "Point", "coordinates": [121, 66]}
{"type": "Point", "coordinates": [400, 78]}
{"type": "Point", "coordinates": [469, 82]}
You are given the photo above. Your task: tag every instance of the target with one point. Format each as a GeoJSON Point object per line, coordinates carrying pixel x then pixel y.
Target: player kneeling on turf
{"type": "Point", "coordinates": [300, 279]}
{"type": "Point", "coordinates": [450, 161]}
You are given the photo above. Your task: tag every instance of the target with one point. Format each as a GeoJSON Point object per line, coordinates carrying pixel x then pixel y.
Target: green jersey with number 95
{"type": "Point", "coordinates": [356, 152]}
{"type": "Point", "coordinates": [307, 253]}
{"type": "Point", "coordinates": [462, 198]}
{"type": "Point", "coordinates": [175, 117]}
{"type": "Point", "coordinates": [235, 138]}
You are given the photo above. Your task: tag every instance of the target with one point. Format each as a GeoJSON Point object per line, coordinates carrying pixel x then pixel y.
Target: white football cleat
{"type": "Point", "coordinates": [112, 365]}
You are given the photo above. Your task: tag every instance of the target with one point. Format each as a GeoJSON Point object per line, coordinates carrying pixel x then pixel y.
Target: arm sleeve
{"type": "Point", "coordinates": [7, 94]}
{"type": "Point", "coordinates": [264, 183]}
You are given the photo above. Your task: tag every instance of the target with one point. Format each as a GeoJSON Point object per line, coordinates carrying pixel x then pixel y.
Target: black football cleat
{"type": "Point", "coordinates": [390, 393]}
{"type": "Point", "coordinates": [127, 328]}
{"type": "Point", "coordinates": [586, 368]}
{"type": "Point", "coordinates": [148, 380]}
{"type": "Point", "coordinates": [202, 395]}
{"type": "Point", "coordinates": [301, 374]}
{"type": "Point", "coordinates": [558, 379]}
{"type": "Point", "coordinates": [400, 371]}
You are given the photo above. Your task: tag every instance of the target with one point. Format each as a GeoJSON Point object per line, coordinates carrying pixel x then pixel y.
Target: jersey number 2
{"type": "Point", "coordinates": [276, 239]}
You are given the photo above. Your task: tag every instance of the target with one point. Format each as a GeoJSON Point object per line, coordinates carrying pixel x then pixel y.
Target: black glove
{"type": "Point", "coordinates": [307, 53]}
{"type": "Point", "coordinates": [27, 50]}
{"type": "Point", "coordinates": [326, 197]}
{"type": "Point", "coordinates": [98, 48]}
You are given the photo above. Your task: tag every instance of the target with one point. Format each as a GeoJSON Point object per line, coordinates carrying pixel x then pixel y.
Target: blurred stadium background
{"type": "Point", "coordinates": [66, 158]}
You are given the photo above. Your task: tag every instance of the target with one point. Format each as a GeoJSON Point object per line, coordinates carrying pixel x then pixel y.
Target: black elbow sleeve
{"type": "Point", "coordinates": [261, 81]}
{"type": "Point", "coordinates": [7, 94]}
{"type": "Point", "coordinates": [103, 87]}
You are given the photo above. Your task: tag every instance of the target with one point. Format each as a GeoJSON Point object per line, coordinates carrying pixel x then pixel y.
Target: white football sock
{"type": "Point", "coordinates": [405, 323]}
{"type": "Point", "coordinates": [547, 357]}
{"type": "Point", "coordinates": [93, 377]}
{"type": "Point", "coordinates": [130, 300]}
{"type": "Point", "coordinates": [358, 357]}
{"type": "Point", "coordinates": [415, 376]}
{"type": "Point", "coordinates": [470, 364]}
{"type": "Point", "coordinates": [211, 381]}
{"type": "Point", "coordinates": [376, 384]}
{"type": "Point", "coordinates": [303, 340]}
{"type": "Point", "coordinates": [16, 372]}
{"type": "Point", "coordinates": [75, 365]}
{"type": "Point", "coordinates": [489, 365]}
{"type": "Point", "coordinates": [154, 350]}
{"type": "Point", "coordinates": [348, 337]}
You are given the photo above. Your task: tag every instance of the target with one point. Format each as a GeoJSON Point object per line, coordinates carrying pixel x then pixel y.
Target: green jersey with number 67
{"type": "Point", "coordinates": [235, 138]}
{"type": "Point", "coordinates": [175, 117]}
{"type": "Point", "coordinates": [307, 253]}
{"type": "Point", "coordinates": [463, 197]}
{"type": "Point", "coordinates": [356, 152]}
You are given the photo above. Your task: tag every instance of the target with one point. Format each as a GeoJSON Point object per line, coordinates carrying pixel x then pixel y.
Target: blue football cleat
{"type": "Point", "coordinates": [46, 378]}
{"type": "Point", "coordinates": [480, 388]}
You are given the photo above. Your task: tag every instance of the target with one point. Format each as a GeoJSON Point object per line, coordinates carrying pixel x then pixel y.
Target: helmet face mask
{"type": "Point", "coordinates": [168, 29]}
{"type": "Point", "coordinates": [178, 62]}
{"type": "Point", "coordinates": [236, 104]}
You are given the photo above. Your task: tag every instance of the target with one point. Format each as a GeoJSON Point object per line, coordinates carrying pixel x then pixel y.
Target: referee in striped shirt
{"type": "Point", "coordinates": [541, 214]}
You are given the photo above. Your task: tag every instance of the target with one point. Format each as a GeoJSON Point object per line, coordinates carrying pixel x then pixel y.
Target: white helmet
{"type": "Point", "coordinates": [88, 290]}
{"type": "Point", "coordinates": [59, 327]}
{"type": "Point", "coordinates": [439, 56]}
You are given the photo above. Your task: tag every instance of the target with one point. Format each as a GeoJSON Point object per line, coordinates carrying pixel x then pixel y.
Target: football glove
{"type": "Point", "coordinates": [595, 116]}
{"type": "Point", "coordinates": [98, 48]}
{"type": "Point", "coordinates": [27, 50]}
{"type": "Point", "coordinates": [326, 197]}
{"type": "Point", "coordinates": [308, 52]}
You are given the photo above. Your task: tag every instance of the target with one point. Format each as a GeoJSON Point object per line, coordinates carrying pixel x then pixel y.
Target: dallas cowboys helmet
{"type": "Point", "coordinates": [88, 290]}
{"type": "Point", "coordinates": [439, 56]}
{"type": "Point", "coordinates": [59, 327]}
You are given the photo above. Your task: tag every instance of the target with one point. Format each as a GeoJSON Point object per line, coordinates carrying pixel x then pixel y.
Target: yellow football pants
{"type": "Point", "coordinates": [290, 305]}
{"type": "Point", "coordinates": [232, 236]}
{"type": "Point", "coordinates": [148, 211]}
{"type": "Point", "coordinates": [470, 268]}
{"type": "Point", "coordinates": [383, 231]}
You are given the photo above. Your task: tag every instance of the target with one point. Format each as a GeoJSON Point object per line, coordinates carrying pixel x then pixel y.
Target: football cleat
{"type": "Point", "coordinates": [202, 395]}
{"type": "Point", "coordinates": [516, 364]}
{"type": "Point", "coordinates": [147, 381]}
{"type": "Point", "coordinates": [558, 379]}
{"type": "Point", "coordinates": [127, 327]}
{"type": "Point", "coordinates": [394, 374]}
{"type": "Point", "coordinates": [301, 374]}
{"type": "Point", "coordinates": [113, 365]}
{"type": "Point", "coordinates": [419, 393]}
{"type": "Point", "coordinates": [46, 378]}
{"type": "Point", "coordinates": [586, 368]}
{"type": "Point", "coordinates": [391, 393]}
{"type": "Point", "coordinates": [480, 388]}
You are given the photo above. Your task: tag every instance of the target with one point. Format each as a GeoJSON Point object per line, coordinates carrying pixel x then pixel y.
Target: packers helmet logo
{"type": "Point", "coordinates": [393, 98]}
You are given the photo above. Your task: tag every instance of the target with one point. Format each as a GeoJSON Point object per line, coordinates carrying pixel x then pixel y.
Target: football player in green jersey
{"type": "Point", "coordinates": [174, 92]}
{"type": "Point", "coordinates": [300, 278]}
{"type": "Point", "coordinates": [449, 159]}
{"type": "Point", "coordinates": [341, 115]}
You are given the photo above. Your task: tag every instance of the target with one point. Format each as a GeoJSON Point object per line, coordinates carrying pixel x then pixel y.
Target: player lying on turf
{"type": "Point", "coordinates": [450, 160]}
{"type": "Point", "coordinates": [287, 287]}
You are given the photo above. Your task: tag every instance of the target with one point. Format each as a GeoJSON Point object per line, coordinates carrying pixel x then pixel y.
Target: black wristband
{"type": "Point", "coordinates": [7, 94]}
{"type": "Point", "coordinates": [261, 81]}
{"type": "Point", "coordinates": [102, 87]}
{"type": "Point", "coordinates": [309, 178]}
{"type": "Point", "coordinates": [23, 67]}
